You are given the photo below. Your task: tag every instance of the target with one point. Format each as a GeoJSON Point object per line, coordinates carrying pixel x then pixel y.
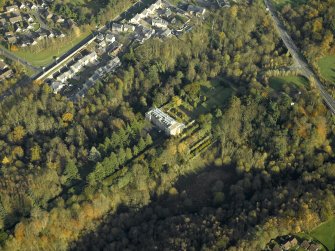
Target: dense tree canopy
{"type": "Point", "coordinates": [65, 165]}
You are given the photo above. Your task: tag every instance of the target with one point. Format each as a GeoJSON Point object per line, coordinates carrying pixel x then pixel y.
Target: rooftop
{"type": "Point", "coordinates": [162, 117]}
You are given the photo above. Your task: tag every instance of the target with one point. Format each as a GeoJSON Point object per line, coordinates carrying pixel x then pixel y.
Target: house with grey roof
{"type": "Point", "coordinates": [58, 19]}
{"type": "Point", "coordinates": [65, 76]}
{"type": "Point", "coordinates": [136, 19]}
{"type": "Point", "coordinates": [167, 12]}
{"type": "Point", "coordinates": [115, 62]}
{"type": "Point", "coordinates": [49, 15]}
{"type": "Point", "coordinates": [17, 27]}
{"type": "Point", "coordinates": [12, 8]}
{"type": "Point", "coordinates": [159, 22]}
{"type": "Point", "coordinates": [28, 18]}
{"type": "Point", "coordinates": [3, 65]}
{"type": "Point", "coordinates": [34, 7]}
{"type": "Point", "coordinates": [145, 13]}
{"type": "Point", "coordinates": [71, 23]}
{"type": "Point", "coordinates": [117, 27]}
{"type": "Point", "coordinates": [9, 33]}
{"type": "Point", "coordinates": [11, 39]}
{"type": "Point", "coordinates": [15, 19]}
{"type": "Point", "coordinates": [156, 5]}
{"type": "Point", "coordinates": [89, 58]}
{"type": "Point", "coordinates": [110, 38]}
{"type": "Point", "coordinates": [41, 35]}
{"type": "Point", "coordinates": [76, 67]}
{"type": "Point", "coordinates": [57, 86]}
{"type": "Point", "coordinates": [100, 37]}
{"type": "Point", "coordinates": [196, 10]}
{"type": "Point", "coordinates": [128, 28]}
{"type": "Point", "coordinates": [22, 6]}
{"type": "Point", "coordinates": [25, 41]}
{"type": "Point", "coordinates": [101, 47]}
{"type": "Point", "coordinates": [147, 33]}
{"type": "Point", "coordinates": [166, 33]}
{"type": "Point", "coordinates": [5, 71]}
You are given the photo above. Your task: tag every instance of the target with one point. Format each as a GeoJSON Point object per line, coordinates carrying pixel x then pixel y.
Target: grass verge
{"type": "Point", "coordinates": [46, 56]}
{"type": "Point", "coordinates": [327, 68]}
{"type": "Point", "coordinates": [216, 92]}
{"type": "Point", "coordinates": [279, 83]}
{"type": "Point", "coordinates": [281, 3]}
{"type": "Point", "coordinates": [325, 233]}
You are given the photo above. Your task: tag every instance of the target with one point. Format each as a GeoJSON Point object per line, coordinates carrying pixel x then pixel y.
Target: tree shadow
{"type": "Point", "coordinates": [144, 228]}
{"type": "Point", "coordinates": [215, 206]}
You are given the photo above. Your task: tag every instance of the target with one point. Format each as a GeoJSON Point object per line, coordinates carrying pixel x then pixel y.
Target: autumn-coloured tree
{"type": "Point", "coordinates": [176, 101]}
{"type": "Point", "coordinates": [67, 117]}
{"type": "Point", "coordinates": [35, 153]}
{"type": "Point", "coordinates": [14, 48]}
{"type": "Point", "coordinates": [5, 160]}
{"type": "Point", "coordinates": [18, 152]}
{"type": "Point", "coordinates": [18, 133]}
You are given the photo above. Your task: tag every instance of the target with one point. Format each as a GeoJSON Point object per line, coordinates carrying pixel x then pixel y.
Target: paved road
{"type": "Point", "coordinates": [299, 59]}
{"type": "Point", "coordinates": [39, 72]}
{"type": "Point", "coordinates": [85, 41]}
{"type": "Point", "coordinates": [13, 57]}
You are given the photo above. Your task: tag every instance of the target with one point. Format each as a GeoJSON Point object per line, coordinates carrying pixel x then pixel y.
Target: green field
{"type": "Point", "coordinates": [216, 94]}
{"type": "Point", "coordinates": [46, 56]}
{"type": "Point", "coordinates": [278, 83]}
{"type": "Point", "coordinates": [327, 68]}
{"type": "Point", "coordinates": [91, 4]}
{"type": "Point", "coordinates": [281, 3]}
{"type": "Point", "coordinates": [325, 233]}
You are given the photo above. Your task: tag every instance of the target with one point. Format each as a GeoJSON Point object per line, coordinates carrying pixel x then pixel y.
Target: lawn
{"type": "Point", "coordinates": [278, 83]}
{"type": "Point", "coordinates": [281, 3]}
{"type": "Point", "coordinates": [327, 68]}
{"type": "Point", "coordinates": [216, 92]}
{"type": "Point", "coordinates": [325, 233]}
{"type": "Point", "coordinates": [93, 5]}
{"type": "Point", "coordinates": [46, 56]}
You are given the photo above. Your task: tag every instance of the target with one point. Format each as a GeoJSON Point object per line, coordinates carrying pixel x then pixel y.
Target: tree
{"type": "Point", "coordinates": [38, 82]}
{"type": "Point", "coordinates": [193, 90]}
{"type": "Point", "coordinates": [191, 73]}
{"type": "Point", "coordinates": [135, 150]}
{"type": "Point", "coordinates": [94, 154]}
{"type": "Point", "coordinates": [218, 113]}
{"type": "Point", "coordinates": [148, 140]}
{"type": "Point", "coordinates": [76, 31]}
{"type": "Point", "coordinates": [233, 11]}
{"type": "Point", "coordinates": [218, 198]}
{"type": "Point", "coordinates": [141, 144]}
{"type": "Point", "coordinates": [35, 153]}
{"type": "Point", "coordinates": [18, 152]}
{"type": "Point", "coordinates": [5, 160]}
{"type": "Point", "coordinates": [182, 148]}
{"type": "Point", "coordinates": [129, 154]}
{"type": "Point", "coordinates": [317, 25]}
{"type": "Point", "coordinates": [176, 101]}
{"type": "Point", "coordinates": [18, 133]}
{"type": "Point", "coordinates": [67, 117]}
{"type": "Point", "coordinates": [122, 156]}
{"type": "Point", "coordinates": [71, 171]}
{"type": "Point", "coordinates": [14, 48]}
